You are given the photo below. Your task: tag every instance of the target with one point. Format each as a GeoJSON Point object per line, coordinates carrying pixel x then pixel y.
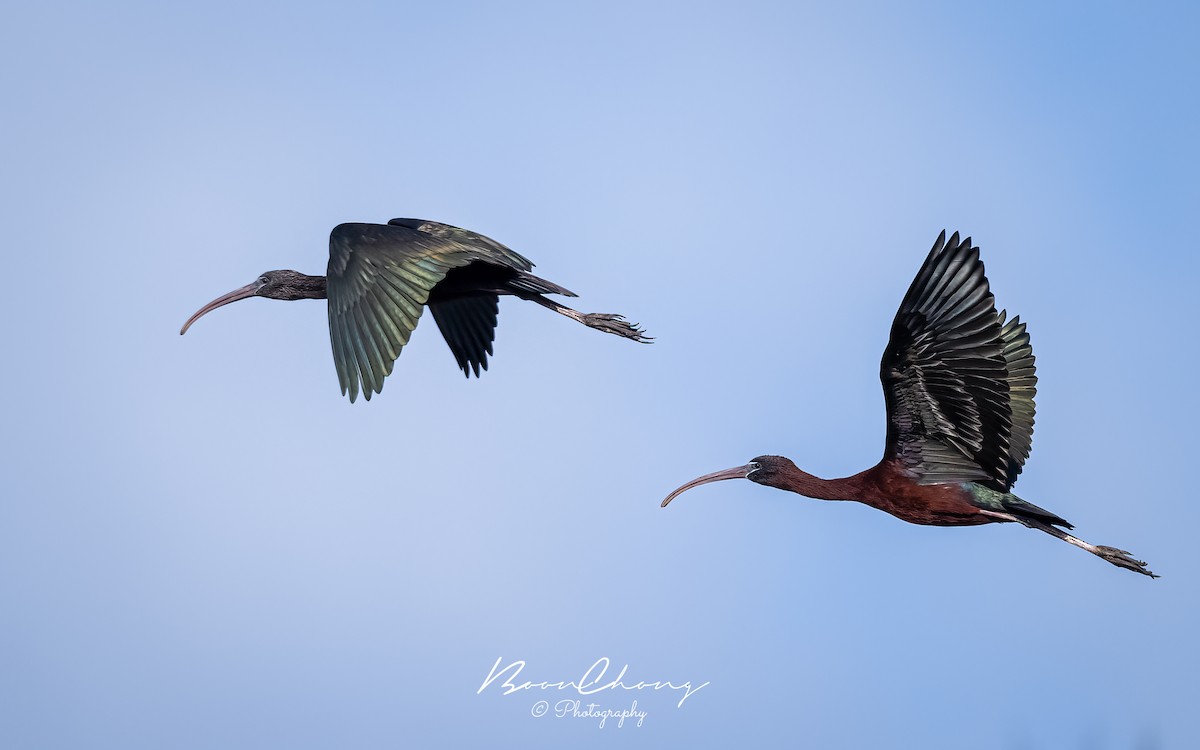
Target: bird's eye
{"type": "Point", "coordinates": [262, 280]}
{"type": "Point", "coordinates": [755, 466]}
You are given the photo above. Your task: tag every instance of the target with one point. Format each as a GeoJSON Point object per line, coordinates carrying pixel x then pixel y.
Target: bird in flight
{"type": "Point", "coordinates": [381, 276]}
{"type": "Point", "coordinates": [958, 383]}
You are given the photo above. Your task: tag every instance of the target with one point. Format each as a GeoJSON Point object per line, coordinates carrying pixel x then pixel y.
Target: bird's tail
{"type": "Point", "coordinates": [528, 283]}
{"type": "Point", "coordinates": [1024, 509]}
{"type": "Point", "coordinates": [990, 500]}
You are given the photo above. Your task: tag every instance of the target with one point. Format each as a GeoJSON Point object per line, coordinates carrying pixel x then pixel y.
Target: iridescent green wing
{"type": "Point", "coordinates": [499, 253]}
{"type": "Point", "coordinates": [945, 375]}
{"type": "Point", "coordinates": [379, 279]}
{"type": "Point", "coordinates": [469, 323]}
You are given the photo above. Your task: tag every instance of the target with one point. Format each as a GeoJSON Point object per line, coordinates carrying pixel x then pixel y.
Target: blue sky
{"type": "Point", "coordinates": [202, 544]}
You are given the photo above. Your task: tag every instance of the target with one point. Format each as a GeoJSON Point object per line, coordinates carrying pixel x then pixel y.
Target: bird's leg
{"type": "Point", "coordinates": [1118, 557]}
{"type": "Point", "coordinates": [615, 324]}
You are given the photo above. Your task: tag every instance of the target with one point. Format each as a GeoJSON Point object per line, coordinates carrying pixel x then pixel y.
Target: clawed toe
{"type": "Point", "coordinates": [616, 324]}
{"type": "Point", "coordinates": [1123, 559]}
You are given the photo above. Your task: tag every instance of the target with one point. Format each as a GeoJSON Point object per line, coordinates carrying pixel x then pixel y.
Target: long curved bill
{"type": "Point", "coordinates": [739, 472]}
{"type": "Point", "coordinates": [242, 293]}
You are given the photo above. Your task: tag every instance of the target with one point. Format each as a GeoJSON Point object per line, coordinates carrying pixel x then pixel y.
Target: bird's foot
{"type": "Point", "coordinates": [1123, 559]}
{"type": "Point", "coordinates": [616, 324]}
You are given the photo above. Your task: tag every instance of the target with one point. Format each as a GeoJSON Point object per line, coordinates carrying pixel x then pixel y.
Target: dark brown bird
{"type": "Point", "coordinates": [381, 276]}
{"type": "Point", "coordinates": [959, 383]}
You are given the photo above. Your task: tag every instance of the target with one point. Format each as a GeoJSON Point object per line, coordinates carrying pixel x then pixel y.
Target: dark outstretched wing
{"type": "Point", "coordinates": [1022, 387]}
{"type": "Point", "coordinates": [469, 326]}
{"type": "Point", "coordinates": [380, 276]}
{"type": "Point", "coordinates": [949, 372]}
{"type": "Point", "coordinates": [462, 237]}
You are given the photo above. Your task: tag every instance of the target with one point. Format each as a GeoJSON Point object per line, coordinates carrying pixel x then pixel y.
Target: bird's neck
{"type": "Point", "coordinates": [306, 287]}
{"type": "Point", "coordinates": [315, 286]}
{"type": "Point", "coordinates": [797, 480]}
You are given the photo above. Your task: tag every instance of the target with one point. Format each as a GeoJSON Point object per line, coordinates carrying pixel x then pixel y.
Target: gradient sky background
{"type": "Point", "coordinates": [202, 544]}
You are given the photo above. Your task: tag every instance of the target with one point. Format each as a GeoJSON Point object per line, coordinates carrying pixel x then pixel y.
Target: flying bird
{"type": "Point", "coordinates": [379, 279]}
{"type": "Point", "coordinates": [959, 385]}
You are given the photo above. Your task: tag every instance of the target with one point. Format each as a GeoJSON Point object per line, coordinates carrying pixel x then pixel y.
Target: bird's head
{"type": "Point", "coordinates": [767, 470]}
{"type": "Point", "coordinates": [285, 285]}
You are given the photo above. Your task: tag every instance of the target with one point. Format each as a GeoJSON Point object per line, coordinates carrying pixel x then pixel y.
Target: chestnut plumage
{"type": "Point", "coordinates": [959, 385]}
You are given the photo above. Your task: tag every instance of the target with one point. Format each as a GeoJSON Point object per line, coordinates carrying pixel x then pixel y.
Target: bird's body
{"type": "Point", "coordinates": [888, 487]}
{"type": "Point", "coordinates": [959, 385]}
{"type": "Point", "coordinates": [381, 277]}
{"type": "Point", "coordinates": [885, 487]}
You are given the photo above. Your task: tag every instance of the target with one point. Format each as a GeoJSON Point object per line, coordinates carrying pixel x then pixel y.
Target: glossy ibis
{"type": "Point", "coordinates": [381, 276]}
{"type": "Point", "coordinates": [959, 384]}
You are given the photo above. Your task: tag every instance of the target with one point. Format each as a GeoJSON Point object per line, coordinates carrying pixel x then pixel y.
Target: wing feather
{"type": "Point", "coordinates": [379, 279]}
{"type": "Point", "coordinates": [468, 324]}
{"type": "Point", "coordinates": [1022, 388]}
{"type": "Point", "coordinates": [958, 382]}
